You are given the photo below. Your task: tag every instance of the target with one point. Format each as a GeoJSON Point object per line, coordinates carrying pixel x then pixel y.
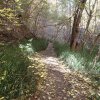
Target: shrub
{"type": "Point", "coordinates": [33, 45]}
{"type": "Point", "coordinates": [16, 78]}
{"type": "Point", "coordinates": [79, 60]}
{"type": "Point", "coordinates": [39, 44]}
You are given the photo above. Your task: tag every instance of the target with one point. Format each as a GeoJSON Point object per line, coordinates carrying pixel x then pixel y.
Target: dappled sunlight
{"type": "Point", "coordinates": [49, 50]}
{"type": "Point", "coordinates": [51, 60]}
{"type": "Point", "coordinates": [20, 66]}
{"type": "Point", "coordinates": [54, 64]}
{"type": "Point", "coordinates": [79, 63]}
{"type": "Point", "coordinates": [73, 61]}
{"type": "Point", "coordinates": [79, 60]}
{"type": "Point", "coordinates": [27, 48]}
{"type": "Point", "coordinates": [61, 84]}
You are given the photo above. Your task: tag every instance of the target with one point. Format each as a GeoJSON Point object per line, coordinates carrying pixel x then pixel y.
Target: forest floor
{"type": "Point", "coordinates": [61, 83]}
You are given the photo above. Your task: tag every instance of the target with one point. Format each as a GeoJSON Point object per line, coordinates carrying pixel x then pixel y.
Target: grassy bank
{"type": "Point", "coordinates": [79, 60]}
{"type": "Point", "coordinates": [82, 62]}
{"type": "Point", "coordinates": [17, 72]}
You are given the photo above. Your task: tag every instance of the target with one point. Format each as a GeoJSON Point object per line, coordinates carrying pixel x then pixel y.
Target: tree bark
{"type": "Point", "coordinates": [77, 20]}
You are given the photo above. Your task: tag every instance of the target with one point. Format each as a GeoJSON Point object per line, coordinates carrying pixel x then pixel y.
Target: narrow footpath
{"type": "Point", "coordinates": [61, 83]}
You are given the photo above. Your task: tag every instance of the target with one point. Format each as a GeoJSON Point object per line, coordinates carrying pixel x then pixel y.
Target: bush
{"type": "Point", "coordinates": [16, 78]}
{"type": "Point", "coordinates": [39, 44]}
{"type": "Point", "coordinates": [33, 45]}
{"type": "Point", "coordinates": [79, 60]}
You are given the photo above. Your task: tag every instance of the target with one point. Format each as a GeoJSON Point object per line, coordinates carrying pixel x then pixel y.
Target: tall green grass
{"type": "Point", "coordinates": [33, 45]}
{"type": "Point", "coordinates": [81, 61]}
{"type": "Point", "coordinates": [39, 44]}
{"type": "Point", "coordinates": [78, 60]}
{"type": "Point", "coordinates": [15, 79]}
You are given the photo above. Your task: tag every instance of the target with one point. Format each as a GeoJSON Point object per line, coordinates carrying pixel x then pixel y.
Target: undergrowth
{"type": "Point", "coordinates": [34, 45]}
{"type": "Point", "coordinates": [20, 71]}
{"type": "Point", "coordinates": [80, 61]}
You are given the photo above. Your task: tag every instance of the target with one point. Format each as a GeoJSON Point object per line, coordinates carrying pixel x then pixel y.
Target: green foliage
{"type": "Point", "coordinates": [26, 47]}
{"type": "Point", "coordinates": [33, 45]}
{"type": "Point", "coordinates": [81, 60]}
{"type": "Point", "coordinates": [19, 73]}
{"type": "Point", "coordinates": [14, 79]}
{"type": "Point", "coordinates": [21, 5]}
{"type": "Point", "coordinates": [59, 48]}
{"type": "Point", "coordinates": [39, 44]}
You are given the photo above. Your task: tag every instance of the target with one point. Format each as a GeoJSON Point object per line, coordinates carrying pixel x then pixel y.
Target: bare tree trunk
{"type": "Point", "coordinates": [77, 20]}
{"type": "Point", "coordinates": [90, 14]}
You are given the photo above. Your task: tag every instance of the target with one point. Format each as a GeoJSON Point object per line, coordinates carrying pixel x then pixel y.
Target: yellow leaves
{"type": "Point", "coordinates": [17, 0]}
{"type": "Point", "coordinates": [6, 11]}
{"type": "Point", "coordinates": [1, 98]}
{"type": "Point", "coordinates": [38, 68]}
{"type": "Point", "coordinates": [8, 15]}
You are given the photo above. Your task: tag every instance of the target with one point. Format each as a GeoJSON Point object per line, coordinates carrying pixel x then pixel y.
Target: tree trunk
{"type": "Point", "coordinates": [77, 20]}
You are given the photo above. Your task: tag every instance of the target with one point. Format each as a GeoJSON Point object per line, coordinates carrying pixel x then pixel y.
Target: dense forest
{"type": "Point", "coordinates": [49, 50]}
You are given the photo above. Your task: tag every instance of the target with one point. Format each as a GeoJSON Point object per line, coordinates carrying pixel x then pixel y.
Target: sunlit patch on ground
{"type": "Point", "coordinates": [61, 83]}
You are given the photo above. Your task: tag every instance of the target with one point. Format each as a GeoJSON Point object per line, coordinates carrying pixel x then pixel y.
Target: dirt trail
{"type": "Point", "coordinates": [52, 62]}
{"type": "Point", "coordinates": [61, 83]}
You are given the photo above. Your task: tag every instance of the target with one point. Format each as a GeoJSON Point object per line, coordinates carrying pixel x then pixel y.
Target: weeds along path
{"type": "Point", "coordinates": [61, 83]}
